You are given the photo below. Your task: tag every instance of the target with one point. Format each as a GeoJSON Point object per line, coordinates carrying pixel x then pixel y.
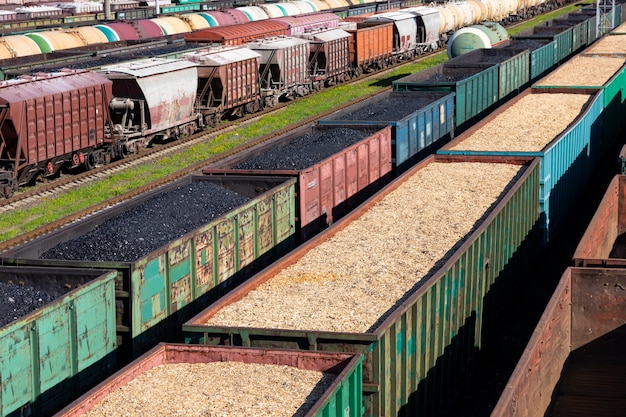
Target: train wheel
{"type": "Point", "coordinates": [90, 162]}
{"type": "Point", "coordinates": [7, 191]}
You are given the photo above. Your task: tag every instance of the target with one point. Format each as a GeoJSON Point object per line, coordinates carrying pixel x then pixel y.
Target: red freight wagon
{"type": "Point", "coordinates": [48, 121]}
{"type": "Point", "coordinates": [239, 34]}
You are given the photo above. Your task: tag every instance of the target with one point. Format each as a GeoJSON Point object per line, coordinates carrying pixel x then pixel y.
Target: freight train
{"type": "Point", "coordinates": [438, 23]}
{"type": "Point", "coordinates": [121, 109]}
{"type": "Point", "coordinates": [420, 348]}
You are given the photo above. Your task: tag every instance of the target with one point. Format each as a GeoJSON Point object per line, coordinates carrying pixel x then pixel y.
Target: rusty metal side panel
{"type": "Point", "coordinates": [596, 243]}
{"type": "Point", "coordinates": [529, 390]}
{"type": "Point", "coordinates": [329, 189]}
{"type": "Point", "coordinates": [341, 399]}
{"type": "Point", "coordinates": [241, 81]}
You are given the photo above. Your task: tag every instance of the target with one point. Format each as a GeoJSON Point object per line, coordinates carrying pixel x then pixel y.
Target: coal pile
{"type": "Point", "coordinates": [394, 107]}
{"type": "Point", "coordinates": [527, 44]}
{"type": "Point", "coordinates": [18, 300]}
{"type": "Point", "coordinates": [151, 225]}
{"type": "Point", "coordinates": [493, 59]}
{"type": "Point", "coordinates": [306, 150]}
{"type": "Point", "coordinates": [447, 78]}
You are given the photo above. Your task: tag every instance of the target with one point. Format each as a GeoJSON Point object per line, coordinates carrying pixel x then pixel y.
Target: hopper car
{"type": "Point", "coordinates": [422, 346]}
{"type": "Point", "coordinates": [435, 23]}
{"type": "Point", "coordinates": [130, 103]}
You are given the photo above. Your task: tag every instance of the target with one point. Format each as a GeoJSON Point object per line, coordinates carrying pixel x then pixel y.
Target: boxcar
{"type": "Point", "coordinates": [64, 347]}
{"type": "Point", "coordinates": [239, 34]}
{"type": "Point", "coordinates": [329, 187]}
{"type": "Point", "coordinates": [371, 45]}
{"type": "Point", "coordinates": [156, 290]}
{"type": "Point", "coordinates": [574, 362]}
{"type": "Point", "coordinates": [252, 371]}
{"type": "Point", "coordinates": [421, 121]}
{"type": "Point", "coordinates": [425, 342]}
{"type": "Point", "coordinates": [564, 151]}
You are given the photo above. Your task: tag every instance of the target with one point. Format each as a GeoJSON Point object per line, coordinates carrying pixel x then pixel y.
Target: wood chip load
{"type": "Point", "coordinates": [530, 124]}
{"type": "Point", "coordinates": [350, 282]}
{"type": "Point", "coordinates": [584, 70]}
{"type": "Point", "coordinates": [216, 389]}
{"type": "Point", "coordinates": [614, 44]}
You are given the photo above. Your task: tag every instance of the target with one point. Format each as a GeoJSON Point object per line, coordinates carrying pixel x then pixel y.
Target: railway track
{"type": "Point", "coordinates": [33, 196]}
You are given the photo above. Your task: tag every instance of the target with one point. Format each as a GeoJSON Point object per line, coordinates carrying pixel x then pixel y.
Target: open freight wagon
{"type": "Point", "coordinates": [603, 243]}
{"type": "Point", "coordinates": [57, 337]}
{"type": "Point", "coordinates": [336, 167]}
{"type": "Point", "coordinates": [563, 145]}
{"type": "Point", "coordinates": [229, 381]}
{"type": "Point", "coordinates": [574, 363]}
{"type": "Point", "coordinates": [420, 121]}
{"type": "Point", "coordinates": [174, 249]}
{"type": "Point", "coordinates": [421, 311]}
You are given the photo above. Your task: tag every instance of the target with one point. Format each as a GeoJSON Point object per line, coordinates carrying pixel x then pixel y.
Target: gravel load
{"type": "Point", "coordinates": [151, 225]}
{"type": "Point", "coordinates": [355, 279]}
{"type": "Point", "coordinates": [306, 150]}
{"type": "Point", "coordinates": [217, 389]}
{"type": "Point", "coordinates": [19, 300]}
{"type": "Point", "coordinates": [608, 45]}
{"type": "Point", "coordinates": [592, 70]}
{"type": "Point", "coordinates": [531, 123]}
{"type": "Point", "coordinates": [394, 107]}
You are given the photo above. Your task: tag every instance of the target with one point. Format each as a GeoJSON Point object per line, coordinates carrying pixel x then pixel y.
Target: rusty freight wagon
{"type": "Point", "coordinates": [174, 248]}
{"type": "Point", "coordinates": [230, 381]}
{"type": "Point", "coordinates": [574, 363]}
{"type": "Point", "coordinates": [59, 339]}
{"type": "Point", "coordinates": [52, 121]}
{"type": "Point", "coordinates": [419, 312]}
{"type": "Point", "coordinates": [337, 168]}
{"type": "Point", "coordinates": [228, 82]}
{"type": "Point", "coordinates": [603, 244]}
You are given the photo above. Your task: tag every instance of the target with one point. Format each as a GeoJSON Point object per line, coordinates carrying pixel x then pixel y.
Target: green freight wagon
{"type": "Point", "coordinates": [420, 351]}
{"type": "Point", "coordinates": [160, 290]}
{"type": "Point", "coordinates": [61, 349]}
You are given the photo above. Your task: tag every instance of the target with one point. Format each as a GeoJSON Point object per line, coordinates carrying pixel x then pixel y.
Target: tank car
{"type": "Point", "coordinates": [153, 99]}
{"type": "Point", "coordinates": [51, 121]}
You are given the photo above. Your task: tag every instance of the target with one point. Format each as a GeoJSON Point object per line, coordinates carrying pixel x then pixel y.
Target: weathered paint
{"type": "Point", "coordinates": [200, 265]}
{"type": "Point", "coordinates": [45, 355]}
{"type": "Point", "coordinates": [415, 359]}
{"type": "Point", "coordinates": [343, 398]}
{"type": "Point", "coordinates": [328, 189]}
{"type": "Point", "coordinates": [577, 347]}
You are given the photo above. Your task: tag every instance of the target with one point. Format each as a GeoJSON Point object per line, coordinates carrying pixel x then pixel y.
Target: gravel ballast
{"type": "Point", "coordinates": [305, 151]}
{"type": "Point", "coordinates": [394, 107]}
{"type": "Point", "coordinates": [530, 124]}
{"type": "Point", "coordinates": [151, 225]}
{"type": "Point", "coordinates": [217, 389]}
{"type": "Point", "coordinates": [350, 282]}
